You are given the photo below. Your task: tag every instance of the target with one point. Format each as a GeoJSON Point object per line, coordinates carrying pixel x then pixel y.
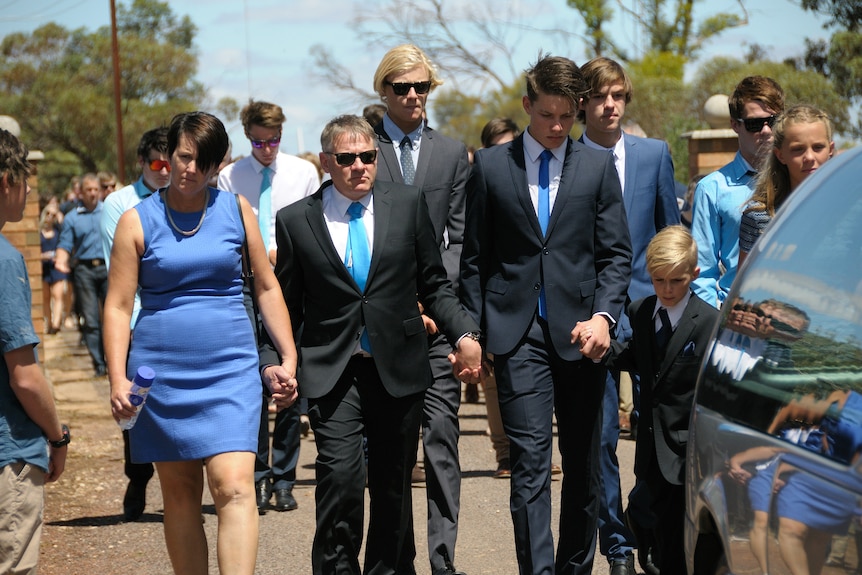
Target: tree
{"type": "Point", "coordinates": [668, 29]}
{"type": "Point", "coordinates": [57, 84]}
{"type": "Point", "coordinates": [839, 60]}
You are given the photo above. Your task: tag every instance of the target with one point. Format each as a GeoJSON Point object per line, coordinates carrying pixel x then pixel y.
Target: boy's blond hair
{"type": "Point", "coordinates": [672, 248]}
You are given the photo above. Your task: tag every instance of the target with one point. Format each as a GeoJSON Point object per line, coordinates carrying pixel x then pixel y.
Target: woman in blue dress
{"type": "Point", "coordinates": [182, 247]}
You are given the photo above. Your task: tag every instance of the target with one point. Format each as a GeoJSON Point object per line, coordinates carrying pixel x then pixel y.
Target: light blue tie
{"type": "Point", "coordinates": [264, 205]}
{"type": "Point", "coordinates": [544, 190]}
{"type": "Point", "coordinates": [544, 214]}
{"type": "Point", "coordinates": [357, 257]}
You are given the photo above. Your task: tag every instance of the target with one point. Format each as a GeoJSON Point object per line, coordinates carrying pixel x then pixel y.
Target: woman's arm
{"type": "Point", "coordinates": [122, 285]}
{"type": "Point", "coordinates": [273, 312]}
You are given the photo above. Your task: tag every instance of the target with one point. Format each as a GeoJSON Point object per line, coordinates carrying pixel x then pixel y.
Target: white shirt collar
{"type": "Point", "coordinates": [675, 312]}
{"type": "Point", "coordinates": [533, 149]}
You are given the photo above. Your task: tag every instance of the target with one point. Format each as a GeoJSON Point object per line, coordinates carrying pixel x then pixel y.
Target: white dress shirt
{"type": "Point", "coordinates": [532, 151]}
{"type": "Point", "coordinates": [292, 179]}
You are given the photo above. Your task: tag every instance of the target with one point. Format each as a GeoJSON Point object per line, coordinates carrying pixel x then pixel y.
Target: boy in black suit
{"type": "Point", "coordinates": [670, 336]}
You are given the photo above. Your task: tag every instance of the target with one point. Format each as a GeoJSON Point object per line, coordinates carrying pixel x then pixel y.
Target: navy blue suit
{"type": "Point", "coordinates": [650, 201]}
{"type": "Point", "coordinates": [583, 262]}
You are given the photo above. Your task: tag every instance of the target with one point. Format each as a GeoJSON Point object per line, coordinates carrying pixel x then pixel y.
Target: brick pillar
{"type": "Point", "coordinates": [24, 235]}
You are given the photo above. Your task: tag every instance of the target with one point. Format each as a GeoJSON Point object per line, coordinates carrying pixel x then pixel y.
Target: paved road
{"type": "Point", "coordinates": [84, 532]}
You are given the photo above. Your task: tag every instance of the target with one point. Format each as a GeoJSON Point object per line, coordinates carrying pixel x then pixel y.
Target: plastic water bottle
{"type": "Point", "coordinates": [138, 394]}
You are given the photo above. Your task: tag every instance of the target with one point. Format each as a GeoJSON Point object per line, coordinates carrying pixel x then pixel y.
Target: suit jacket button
{"type": "Point", "coordinates": [537, 286]}
{"type": "Point", "coordinates": [545, 251]}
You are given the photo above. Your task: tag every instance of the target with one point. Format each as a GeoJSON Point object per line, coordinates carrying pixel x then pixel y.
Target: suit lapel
{"type": "Point", "coordinates": [518, 172]}
{"type": "Point", "coordinates": [631, 172]}
{"type": "Point", "coordinates": [426, 151]}
{"type": "Point", "coordinates": [317, 223]}
{"type": "Point", "coordinates": [570, 165]}
{"type": "Point", "coordinates": [681, 336]}
{"type": "Point", "coordinates": [389, 164]}
{"type": "Point", "coordinates": [382, 213]}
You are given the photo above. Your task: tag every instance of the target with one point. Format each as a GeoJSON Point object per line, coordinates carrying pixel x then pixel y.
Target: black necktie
{"type": "Point", "coordinates": [662, 336]}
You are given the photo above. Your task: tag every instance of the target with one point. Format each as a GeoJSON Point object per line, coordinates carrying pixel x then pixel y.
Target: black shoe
{"type": "Point", "coordinates": [284, 500]}
{"type": "Point", "coordinates": [101, 371]}
{"type": "Point", "coordinates": [623, 566]}
{"type": "Point", "coordinates": [263, 490]}
{"type": "Point", "coordinates": [134, 501]}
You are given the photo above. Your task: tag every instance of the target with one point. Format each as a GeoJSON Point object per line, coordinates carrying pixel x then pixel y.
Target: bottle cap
{"type": "Point", "coordinates": [145, 376]}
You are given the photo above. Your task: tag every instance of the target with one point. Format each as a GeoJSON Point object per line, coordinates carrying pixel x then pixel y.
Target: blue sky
{"type": "Point", "coordinates": [275, 36]}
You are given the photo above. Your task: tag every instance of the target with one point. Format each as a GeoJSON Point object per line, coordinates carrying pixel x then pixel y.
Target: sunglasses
{"type": "Point", "coordinates": [403, 88]}
{"type": "Point", "coordinates": [754, 125]}
{"type": "Point", "coordinates": [272, 143]}
{"type": "Point", "coordinates": [347, 158]}
{"type": "Point", "coordinates": [157, 165]}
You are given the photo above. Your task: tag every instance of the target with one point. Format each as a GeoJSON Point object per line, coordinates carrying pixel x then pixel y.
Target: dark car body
{"type": "Point", "coordinates": [773, 470]}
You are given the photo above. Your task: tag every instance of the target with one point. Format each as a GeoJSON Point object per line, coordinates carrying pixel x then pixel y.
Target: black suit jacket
{"type": "Point", "coordinates": [441, 173]}
{"type": "Point", "coordinates": [584, 260]}
{"type": "Point", "coordinates": [667, 386]}
{"type": "Point", "coordinates": [329, 311]}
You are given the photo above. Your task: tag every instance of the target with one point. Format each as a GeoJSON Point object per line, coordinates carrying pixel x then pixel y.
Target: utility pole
{"type": "Point", "coordinates": [115, 58]}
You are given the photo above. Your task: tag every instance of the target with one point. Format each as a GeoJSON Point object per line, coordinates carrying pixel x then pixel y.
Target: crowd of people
{"type": "Point", "coordinates": [382, 274]}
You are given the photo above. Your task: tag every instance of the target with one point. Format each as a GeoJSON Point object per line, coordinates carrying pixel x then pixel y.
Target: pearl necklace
{"type": "Point", "coordinates": [200, 223]}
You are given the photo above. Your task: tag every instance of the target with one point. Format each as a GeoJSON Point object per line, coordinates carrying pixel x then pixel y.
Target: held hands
{"type": "Point", "coordinates": [467, 361]}
{"type": "Point", "coordinates": [281, 382]}
{"type": "Point", "coordinates": [593, 337]}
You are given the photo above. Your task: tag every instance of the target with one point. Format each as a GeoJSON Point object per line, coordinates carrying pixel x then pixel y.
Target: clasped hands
{"type": "Point", "coordinates": [593, 336]}
{"type": "Point", "coordinates": [281, 382]}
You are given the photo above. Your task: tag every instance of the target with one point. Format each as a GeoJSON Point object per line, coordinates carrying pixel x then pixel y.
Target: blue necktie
{"type": "Point", "coordinates": [544, 190]}
{"type": "Point", "coordinates": [357, 257]}
{"type": "Point", "coordinates": [264, 205]}
{"type": "Point", "coordinates": [408, 171]}
{"type": "Point", "coordinates": [544, 215]}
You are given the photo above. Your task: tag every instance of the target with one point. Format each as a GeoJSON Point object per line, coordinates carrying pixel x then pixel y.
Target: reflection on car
{"type": "Point", "coordinates": [774, 478]}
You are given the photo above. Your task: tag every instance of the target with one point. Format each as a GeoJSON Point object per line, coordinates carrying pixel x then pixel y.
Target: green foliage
{"type": "Point", "coordinates": [720, 76]}
{"type": "Point", "coordinates": [845, 14]}
{"type": "Point", "coordinates": [58, 84]}
{"type": "Point", "coordinates": [596, 14]}
{"type": "Point", "coordinates": [462, 116]}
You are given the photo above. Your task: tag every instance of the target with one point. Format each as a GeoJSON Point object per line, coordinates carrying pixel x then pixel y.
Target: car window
{"type": "Point", "coordinates": [787, 357]}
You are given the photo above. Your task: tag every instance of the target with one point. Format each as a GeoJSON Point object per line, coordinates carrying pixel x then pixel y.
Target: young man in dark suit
{"type": "Point", "coordinates": [646, 177]}
{"type": "Point", "coordinates": [351, 259]}
{"type": "Point", "coordinates": [671, 333]}
{"type": "Point", "coordinates": [413, 153]}
{"type": "Point", "coordinates": [547, 246]}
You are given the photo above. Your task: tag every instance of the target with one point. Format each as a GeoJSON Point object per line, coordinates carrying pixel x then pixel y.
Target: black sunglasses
{"type": "Point", "coordinates": [402, 88]}
{"type": "Point", "coordinates": [754, 125]}
{"type": "Point", "coordinates": [347, 158]}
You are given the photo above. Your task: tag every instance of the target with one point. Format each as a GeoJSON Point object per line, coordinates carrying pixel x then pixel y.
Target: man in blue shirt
{"type": "Point", "coordinates": [80, 248]}
{"type": "Point", "coordinates": [720, 196]}
{"type": "Point", "coordinates": [27, 412]}
{"type": "Point", "coordinates": [155, 174]}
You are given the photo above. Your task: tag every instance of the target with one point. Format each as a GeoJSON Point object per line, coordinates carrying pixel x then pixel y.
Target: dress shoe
{"type": "Point", "coordinates": [625, 425]}
{"type": "Point", "coordinates": [134, 501]}
{"type": "Point", "coordinates": [284, 500]}
{"type": "Point", "coordinates": [101, 371]}
{"type": "Point", "coordinates": [263, 491]}
{"type": "Point", "coordinates": [304, 425]}
{"type": "Point", "coordinates": [504, 470]}
{"type": "Point", "coordinates": [623, 566]}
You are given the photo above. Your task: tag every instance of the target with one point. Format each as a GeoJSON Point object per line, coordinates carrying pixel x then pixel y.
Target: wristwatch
{"type": "Point", "coordinates": [67, 437]}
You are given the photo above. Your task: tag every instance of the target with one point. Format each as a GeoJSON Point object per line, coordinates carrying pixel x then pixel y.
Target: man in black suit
{"type": "Point", "coordinates": [413, 153]}
{"type": "Point", "coordinates": [547, 246]}
{"type": "Point", "coordinates": [363, 349]}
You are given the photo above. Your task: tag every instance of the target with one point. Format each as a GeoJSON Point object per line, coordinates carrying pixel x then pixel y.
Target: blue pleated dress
{"type": "Point", "coordinates": [193, 330]}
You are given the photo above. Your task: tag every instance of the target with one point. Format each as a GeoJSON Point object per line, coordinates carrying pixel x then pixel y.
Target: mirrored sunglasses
{"type": "Point", "coordinates": [272, 142]}
{"type": "Point", "coordinates": [158, 165]}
